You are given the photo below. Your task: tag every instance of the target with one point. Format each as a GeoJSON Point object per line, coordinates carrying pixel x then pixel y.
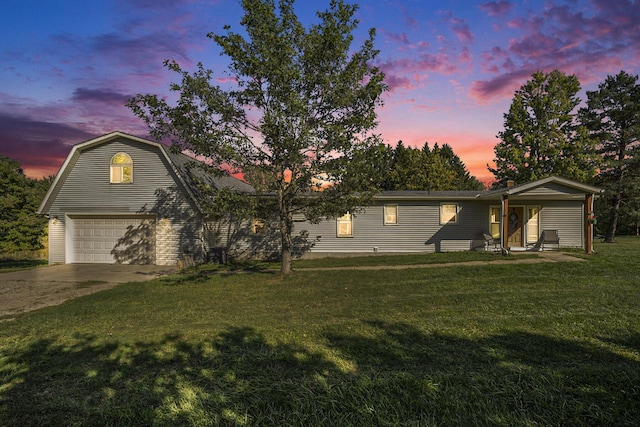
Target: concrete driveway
{"type": "Point", "coordinates": [27, 290]}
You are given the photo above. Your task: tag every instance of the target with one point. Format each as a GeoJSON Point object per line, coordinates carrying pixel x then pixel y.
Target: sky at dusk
{"type": "Point", "coordinates": [67, 67]}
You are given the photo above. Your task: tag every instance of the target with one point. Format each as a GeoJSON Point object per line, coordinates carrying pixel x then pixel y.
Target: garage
{"type": "Point", "coordinates": [113, 239]}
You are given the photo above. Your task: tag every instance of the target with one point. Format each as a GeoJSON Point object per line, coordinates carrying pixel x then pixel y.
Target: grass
{"type": "Point", "coordinates": [378, 260]}
{"type": "Point", "coordinates": [512, 345]}
{"type": "Point", "coordinates": [409, 259]}
{"type": "Point", "coordinates": [10, 264]}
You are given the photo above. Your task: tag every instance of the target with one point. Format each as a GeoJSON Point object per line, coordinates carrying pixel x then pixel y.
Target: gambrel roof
{"type": "Point", "coordinates": [190, 172]}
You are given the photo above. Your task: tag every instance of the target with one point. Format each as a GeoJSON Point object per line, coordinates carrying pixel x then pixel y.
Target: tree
{"type": "Point", "coordinates": [612, 116]}
{"type": "Point", "coordinates": [369, 169]}
{"type": "Point", "coordinates": [462, 178]}
{"type": "Point", "coordinates": [408, 168]}
{"type": "Point", "coordinates": [303, 105]}
{"type": "Point", "coordinates": [542, 136]}
{"type": "Point", "coordinates": [21, 229]}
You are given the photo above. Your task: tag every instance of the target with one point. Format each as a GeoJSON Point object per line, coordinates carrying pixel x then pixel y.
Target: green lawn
{"type": "Point", "coordinates": [513, 345]}
{"type": "Point", "coordinates": [9, 264]}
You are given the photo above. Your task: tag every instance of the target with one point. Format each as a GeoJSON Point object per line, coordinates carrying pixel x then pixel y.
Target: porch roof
{"type": "Point", "coordinates": [551, 188]}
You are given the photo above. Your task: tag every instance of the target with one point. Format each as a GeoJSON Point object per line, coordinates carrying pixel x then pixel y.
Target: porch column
{"type": "Point", "coordinates": [588, 227]}
{"type": "Point", "coordinates": [505, 223]}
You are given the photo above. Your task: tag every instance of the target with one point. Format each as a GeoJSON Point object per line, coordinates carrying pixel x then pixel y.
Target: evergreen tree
{"type": "Point", "coordinates": [462, 178]}
{"type": "Point", "coordinates": [371, 169]}
{"type": "Point", "coordinates": [542, 136]}
{"type": "Point", "coordinates": [408, 168]}
{"type": "Point", "coordinates": [612, 116]}
{"type": "Point", "coordinates": [21, 229]}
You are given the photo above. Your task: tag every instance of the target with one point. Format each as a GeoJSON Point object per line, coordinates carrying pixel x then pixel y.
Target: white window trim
{"type": "Point", "coordinates": [457, 214]}
{"type": "Point", "coordinates": [119, 167]}
{"type": "Point", "coordinates": [258, 226]}
{"type": "Point", "coordinates": [385, 215]}
{"type": "Point", "coordinates": [527, 224]}
{"type": "Point", "coordinates": [344, 219]}
{"type": "Point", "coordinates": [499, 222]}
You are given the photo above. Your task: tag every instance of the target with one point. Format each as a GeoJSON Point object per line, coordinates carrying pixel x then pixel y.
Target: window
{"type": "Point", "coordinates": [258, 226]}
{"type": "Point", "coordinates": [532, 224]}
{"type": "Point", "coordinates": [121, 169]}
{"type": "Point", "coordinates": [494, 222]}
{"type": "Point", "coordinates": [345, 226]}
{"type": "Point", "coordinates": [448, 213]}
{"type": "Point", "coordinates": [390, 214]}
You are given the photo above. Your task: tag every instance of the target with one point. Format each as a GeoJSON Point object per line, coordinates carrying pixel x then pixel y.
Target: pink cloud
{"type": "Point", "coordinates": [461, 29]}
{"type": "Point", "coordinates": [40, 147]}
{"type": "Point", "coordinates": [501, 86]}
{"type": "Point", "coordinates": [534, 46]}
{"type": "Point", "coordinates": [103, 96]}
{"type": "Point", "coordinates": [224, 80]}
{"type": "Point", "coordinates": [496, 8]}
{"type": "Point", "coordinates": [396, 82]}
{"type": "Point", "coordinates": [441, 62]}
{"type": "Point", "coordinates": [565, 37]}
{"type": "Point", "coordinates": [401, 38]}
{"type": "Point", "coordinates": [405, 43]}
{"type": "Point", "coordinates": [408, 18]}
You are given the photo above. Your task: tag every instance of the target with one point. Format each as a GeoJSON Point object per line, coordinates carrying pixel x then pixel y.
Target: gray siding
{"type": "Point", "coordinates": [239, 241]}
{"type": "Point", "coordinates": [418, 230]}
{"type": "Point", "coordinates": [86, 189]}
{"type": "Point", "coordinates": [56, 239]}
{"type": "Point", "coordinates": [567, 218]}
{"type": "Point", "coordinates": [552, 190]}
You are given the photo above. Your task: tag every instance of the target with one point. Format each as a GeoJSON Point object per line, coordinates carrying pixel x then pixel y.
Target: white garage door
{"type": "Point", "coordinates": [116, 239]}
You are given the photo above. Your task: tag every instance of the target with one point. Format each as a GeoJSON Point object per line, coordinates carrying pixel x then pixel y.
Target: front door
{"type": "Point", "coordinates": [514, 227]}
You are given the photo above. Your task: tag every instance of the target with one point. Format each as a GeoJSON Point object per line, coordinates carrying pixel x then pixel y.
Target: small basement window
{"type": "Point", "coordinates": [121, 169]}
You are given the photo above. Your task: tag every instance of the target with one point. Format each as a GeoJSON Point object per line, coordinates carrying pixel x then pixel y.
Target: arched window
{"type": "Point", "coordinates": [121, 169]}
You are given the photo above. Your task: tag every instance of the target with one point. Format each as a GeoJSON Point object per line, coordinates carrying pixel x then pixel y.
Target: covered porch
{"type": "Point", "coordinates": [546, 214]}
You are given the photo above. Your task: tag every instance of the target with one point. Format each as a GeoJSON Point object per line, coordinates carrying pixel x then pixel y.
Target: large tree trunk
{"type": "Point", "coordinates": [615, 212]}
{"type": "Point", "coordinates": [286, 228]}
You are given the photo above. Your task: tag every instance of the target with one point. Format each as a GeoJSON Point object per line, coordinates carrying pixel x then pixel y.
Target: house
{"type": "Point", "coordinates": [123, 199]}
{"type": "Point", "coordinates": [442, 221]}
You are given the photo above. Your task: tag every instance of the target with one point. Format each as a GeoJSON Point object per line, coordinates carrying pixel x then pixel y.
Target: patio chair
{"type": "Point", "coordinates": [549, 237]}
{"type": "Point", "coordinates": [490, 241]}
